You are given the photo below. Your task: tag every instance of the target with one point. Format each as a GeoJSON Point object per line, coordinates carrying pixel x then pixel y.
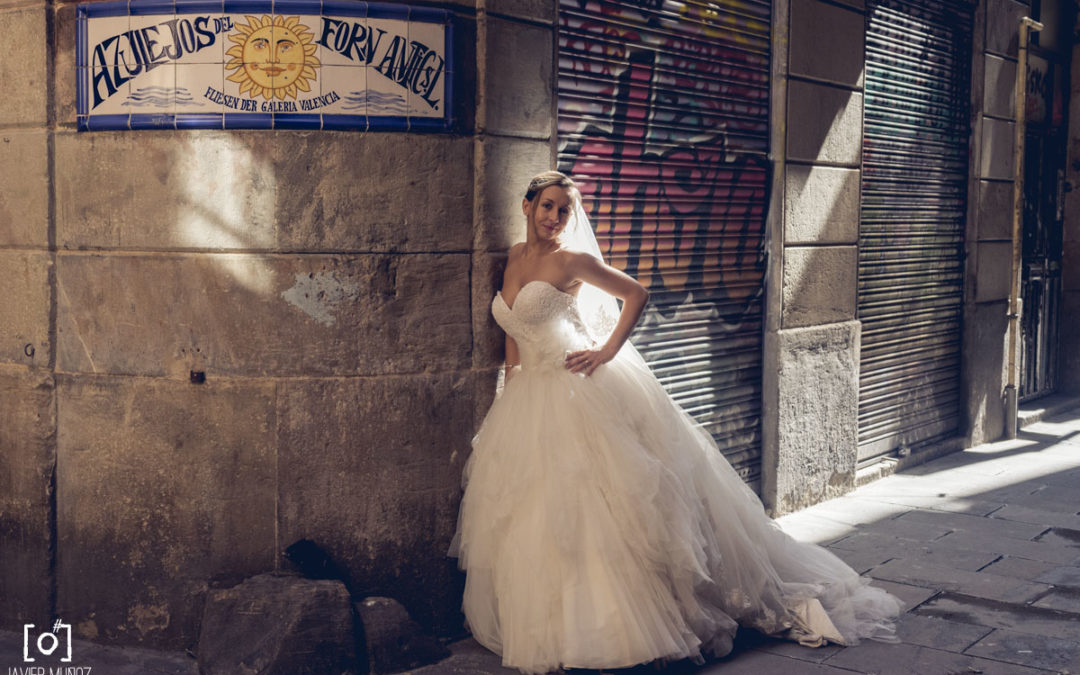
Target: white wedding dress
{"type": "Point", "coordinates": [602, 528]}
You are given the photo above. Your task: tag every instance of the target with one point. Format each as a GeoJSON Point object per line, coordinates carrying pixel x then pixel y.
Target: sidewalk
{"type": "Point", "coordinates": [983, 546]}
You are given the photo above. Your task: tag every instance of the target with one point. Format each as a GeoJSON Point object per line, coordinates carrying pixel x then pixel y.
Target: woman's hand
{"type": "Point", "coordinates": [588, 360]}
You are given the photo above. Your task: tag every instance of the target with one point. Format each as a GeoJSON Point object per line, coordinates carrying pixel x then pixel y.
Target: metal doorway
{"type": "Point", "coordinates": [664, 122]}
{"type": "Point", "coordinates": [1044, 181]}
{"type": "Point", "coordinates": [911, 230]}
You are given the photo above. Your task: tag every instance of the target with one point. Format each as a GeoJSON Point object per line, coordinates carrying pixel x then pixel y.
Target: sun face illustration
{"type": "Point", "coordinates": [273, 57]}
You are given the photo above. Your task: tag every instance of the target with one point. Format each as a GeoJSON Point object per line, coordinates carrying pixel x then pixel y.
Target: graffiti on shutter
{"type": "Point", "coordinates": [663, 121]}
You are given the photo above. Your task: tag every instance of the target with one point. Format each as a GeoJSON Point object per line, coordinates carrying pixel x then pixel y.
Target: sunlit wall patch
{"type": "Point", "coordinates": [263, 64]}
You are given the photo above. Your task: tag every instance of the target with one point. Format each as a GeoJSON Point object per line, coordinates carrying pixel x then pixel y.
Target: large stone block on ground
{"type": "Point", "coordinates": [372, 474]}
{"type": "Point", "coordinates": [253, 191]}
{"type": "Point", "coordinates": [263, 315]}
{"type": "Point", "coordinates": [819, 285]}
{"type": "Point", "coordinates": [24, 308]}
{"type": "Point", "coordinates": [393, 642]}
{"type": "Point", "coordinates": [24, 201]}
{"type": "Point", "coordinates": [814, 404]}
{"type": "Point", "coordinates": [278, 625]}
{"type": "Point", "coordinates": [27, 455]}
{"type": "Point", "coordinates": [162, 486]}
{"type": "Point", "coordinates": [24, 77]}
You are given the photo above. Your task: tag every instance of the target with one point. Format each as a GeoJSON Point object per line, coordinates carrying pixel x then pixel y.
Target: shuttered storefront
{"type": "Point", "coordinates": [914, 196]}
{"type": "Point", "coordinates": [663, 121]}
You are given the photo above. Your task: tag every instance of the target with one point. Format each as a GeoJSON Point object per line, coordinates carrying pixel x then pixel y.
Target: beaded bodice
{"type": "Point", "coordinates": [544, 322]}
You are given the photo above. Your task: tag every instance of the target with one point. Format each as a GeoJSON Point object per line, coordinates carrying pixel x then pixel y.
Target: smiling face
{"type": "Point", "coordinates": [273, 57]}
{"type": "Point", "coordinates": [548, 213]}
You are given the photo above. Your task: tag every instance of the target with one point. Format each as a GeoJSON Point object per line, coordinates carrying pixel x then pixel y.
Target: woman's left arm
{"type": "Point", "coordinates": [594, 271]}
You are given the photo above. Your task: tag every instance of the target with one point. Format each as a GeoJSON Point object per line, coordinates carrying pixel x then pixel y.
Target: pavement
{"type": "Point", "coordinates": [982, 546]}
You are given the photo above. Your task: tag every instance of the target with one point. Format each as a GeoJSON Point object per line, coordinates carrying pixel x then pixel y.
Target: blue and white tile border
{"type": "Point", "coordinates": [194, 64]}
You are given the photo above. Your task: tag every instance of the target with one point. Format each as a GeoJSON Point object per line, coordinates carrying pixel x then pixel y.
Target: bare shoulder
{"type": "Point", "coordinates": [576, 261]}
{"type": "Point", "coordinates": [514, 254]}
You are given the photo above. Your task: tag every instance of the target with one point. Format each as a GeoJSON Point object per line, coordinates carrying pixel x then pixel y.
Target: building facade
{"type": "Point", "coordinates": [216, 342]}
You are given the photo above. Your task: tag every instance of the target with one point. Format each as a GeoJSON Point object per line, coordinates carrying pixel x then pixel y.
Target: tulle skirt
{"type": "Point", "coordinates": [602, 528]}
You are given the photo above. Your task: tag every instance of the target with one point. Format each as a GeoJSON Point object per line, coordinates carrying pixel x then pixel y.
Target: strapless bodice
{"type": "Point", "coordinates": [544, 322]}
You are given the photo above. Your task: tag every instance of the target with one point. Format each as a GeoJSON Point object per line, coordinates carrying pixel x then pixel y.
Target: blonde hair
{"type": "Point", "coordinates": [544, 180]}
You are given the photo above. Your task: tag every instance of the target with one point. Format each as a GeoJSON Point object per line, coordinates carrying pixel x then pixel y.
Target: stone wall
{"type": "Point", "coordinates": [989, 231]}
{"type": "Point", "coordinates": [331, 288]}
{"type": "Point", "coordinates": [810, 431]}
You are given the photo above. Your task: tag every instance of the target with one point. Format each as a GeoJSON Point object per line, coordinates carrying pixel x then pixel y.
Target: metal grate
{"type": "Point", "coordinates": [664, 122]}
{"type": "Point", "coordinates": [911, 232]}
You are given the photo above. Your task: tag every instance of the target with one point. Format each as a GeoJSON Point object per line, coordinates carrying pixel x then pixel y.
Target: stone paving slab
{"type": "Point", "coordinates": [978, 584]}
{"type": "Point", "coordinates": [809, 528]}
{"type": "Point", "coordinates": [1012, 616]}
{"type": "Point", "coordinates": [1025, 649]}
{"type": "Point", "coordinates": [905, 659]}
{"type": "Point", "coordinates": [908, 529]}
{"type": "Point", "coordinates": [1064, 478]}
{"type": "Point", "coordinates": [793, 650]}
{"type": "Point", "coordinates": [1019, 568]}
{"type": "Point", "coordinates": [1026, 514]}
{"type": "Point", "coordinates": [858, 511]}
{"type": "Point", "coordinates": [911, 596]}
{"type": "Point", "coordinates": [934, 552]}
{"type": "Point", "coordinates": [1054, 498]}
{"type": "Point", "coordinates": [861, 561]}
{"type": "Point", "coordinates": [1067, 577]}
{"type": "Point", "coordinates": [977, 525]}
{"type": "Point", "coordinates": [970, 506]}
{"type": "Point", "coordinates": [1043, 549]}
{"type": "Point", "coordinates": [1065, 599]}
{"type": "Point", "coordinates": [927, 631]}
{"type": "Point", "coordinates": [763, 663]}
{"type": "Point", "coordinates": [1061, 536]}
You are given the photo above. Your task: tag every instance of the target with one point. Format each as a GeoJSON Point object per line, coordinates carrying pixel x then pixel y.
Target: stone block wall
{"type": "Point", "coordinates": [331, 291]}
{"type": "Point", "coordinates": [809, 429]}
{"type": "Point", "coordinates": [988, 238]}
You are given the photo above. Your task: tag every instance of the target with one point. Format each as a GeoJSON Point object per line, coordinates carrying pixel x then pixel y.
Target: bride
{"type": "Point", "coordinates": [600, 526]}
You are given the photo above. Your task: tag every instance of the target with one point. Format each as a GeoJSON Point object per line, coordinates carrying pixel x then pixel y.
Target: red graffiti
{"type": "Point", "coordinates": [669, 152]}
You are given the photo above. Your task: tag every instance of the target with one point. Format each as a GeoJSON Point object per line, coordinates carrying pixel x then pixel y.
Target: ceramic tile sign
{"type": "Point", "coordinates": [263, 64]}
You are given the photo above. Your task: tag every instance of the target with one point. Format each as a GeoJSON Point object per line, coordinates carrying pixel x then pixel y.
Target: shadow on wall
{"type": "Point", "coordinates": [335, 347]}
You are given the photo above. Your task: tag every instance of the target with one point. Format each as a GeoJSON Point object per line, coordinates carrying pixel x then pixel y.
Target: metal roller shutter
{"type": "Point", "coordinates": [914, 196]}
{"type": "Point", "coordinates": [664, 122]}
